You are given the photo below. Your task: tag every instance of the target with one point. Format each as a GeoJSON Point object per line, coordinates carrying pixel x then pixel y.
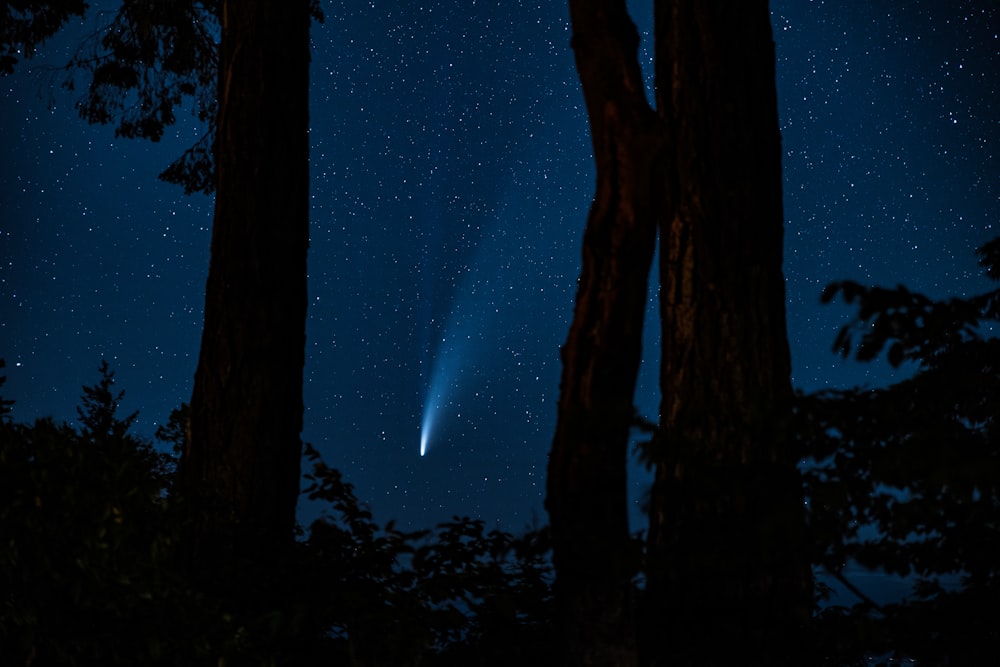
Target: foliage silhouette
{"type": "Point", "coordinates": [136, 69]}
{"type": "Point", "coordinates": [906, 479]}
{"type": "Point", "coordinates": [393, 597]}
{"type": "Point", "coordinates": [81, 511]}
{"type": "Point", "coordinates": [147, 61]}
{"type": "Point", "coordinates": [26, 24]}
{"type": "Point", "coordinates": [89, 575]}
{"type": "Point", "coordinates": [6, 405]}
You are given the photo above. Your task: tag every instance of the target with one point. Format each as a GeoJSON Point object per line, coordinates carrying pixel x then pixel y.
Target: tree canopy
{"type": "Point", "coordinates": [905, 479]}
{"type": "Point", "coordinates": [27, 24]}
{"type": "Point", "coordinates": [136, 69]}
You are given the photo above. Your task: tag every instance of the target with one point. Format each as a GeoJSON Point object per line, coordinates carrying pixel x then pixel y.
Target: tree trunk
{"type": "Point", "coordinates": [587, 493]}
{"type": "Point", "coordinates": [240, 468]}
{"type": "Point", "coordinates": [728, 576]}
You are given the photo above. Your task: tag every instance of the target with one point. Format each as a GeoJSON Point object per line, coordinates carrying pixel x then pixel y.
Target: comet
{"type": "Point", "coordinates": [446, 371]}
{"type": "Point", "coordinates": [427, 423]}
{"type": "Point", "coordinates": [466, 342]}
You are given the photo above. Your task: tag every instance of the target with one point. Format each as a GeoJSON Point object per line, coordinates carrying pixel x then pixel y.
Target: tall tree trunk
{"type": "Point", "coordinates": [587, 493]}
{"type": "Point", "coordinates": [240, 468]}
{"type": "Point", "coordinates": [728, 577]}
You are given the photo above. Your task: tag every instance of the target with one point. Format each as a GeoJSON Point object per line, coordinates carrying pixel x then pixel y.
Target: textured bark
{"type": "Point", "coordinates": [587, 495]}
{"type": "Point", "coordinates": [728, 576]}
{"type": "Point", "coordinates": [240, 468]}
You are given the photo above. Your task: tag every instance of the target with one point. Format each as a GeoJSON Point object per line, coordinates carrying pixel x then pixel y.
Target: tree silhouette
{"type": "Point", "coordinates": [727, 565]}
{"type": "Point", "coordinates": [240, 469]}
{"type": "Point", "coordinates": [82, 515]}
{"type": "Point", "coordinates": [246, 66]}
{"type": "Point", "coordinates": [26, 24]}
{"type": "Point", "coordinates": [586, 488]}
{"type": "Point", "coordinates": [906, 478]}
{"type": "Point", "coordinates": [727, 571]}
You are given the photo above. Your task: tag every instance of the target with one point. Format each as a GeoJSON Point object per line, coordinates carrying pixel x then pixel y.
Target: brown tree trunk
{"type": "Point", "coordinates": [240, 469]}
{"type": "Point", "coordinates": [728, 576]}
{"type": "Point", "coordinates": [587, 493]}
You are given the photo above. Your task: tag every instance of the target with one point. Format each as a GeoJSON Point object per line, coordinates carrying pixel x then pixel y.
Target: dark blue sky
{"type": "Point", "coordinates": [451, 175]}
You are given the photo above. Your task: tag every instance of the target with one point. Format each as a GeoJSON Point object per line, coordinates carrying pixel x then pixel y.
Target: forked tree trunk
{"type": "Point", "coordinates": [728, 577]}
{"type": "Point", "coordinates": [728, 580]}
{"type": "Point", "coordinates": [240, 469]}
{"type": "Point", "coordinates": [587, 493]}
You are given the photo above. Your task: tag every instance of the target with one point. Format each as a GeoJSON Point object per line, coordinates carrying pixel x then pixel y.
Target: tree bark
{"type": "Point", "coordinates": [587, 493]}
{"type": "Point", "coordinates": [728, 577]}
{"type": "Point", "coordinates": [240, 469]}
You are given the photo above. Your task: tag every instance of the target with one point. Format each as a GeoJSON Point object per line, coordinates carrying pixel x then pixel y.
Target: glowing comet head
{"type": "Point", "coordinates": [423, 442]}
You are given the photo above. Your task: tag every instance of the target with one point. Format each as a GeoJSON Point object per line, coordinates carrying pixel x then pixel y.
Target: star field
{"type": "Point", "coordinates": [451, 176]}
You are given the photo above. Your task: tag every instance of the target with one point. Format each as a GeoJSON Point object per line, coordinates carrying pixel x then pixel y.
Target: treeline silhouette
{"type": "Point", "coordinates": [89, 575]}
{"type": "Point", "coordinates": [903, 480]}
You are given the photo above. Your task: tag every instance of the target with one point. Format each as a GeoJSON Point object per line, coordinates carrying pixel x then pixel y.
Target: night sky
{"type": "Point", "coordinates": [451, 176]}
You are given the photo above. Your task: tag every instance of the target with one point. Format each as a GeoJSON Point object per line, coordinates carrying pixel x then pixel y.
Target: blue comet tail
{"type": "Point", "coordinates": [427, 425]}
